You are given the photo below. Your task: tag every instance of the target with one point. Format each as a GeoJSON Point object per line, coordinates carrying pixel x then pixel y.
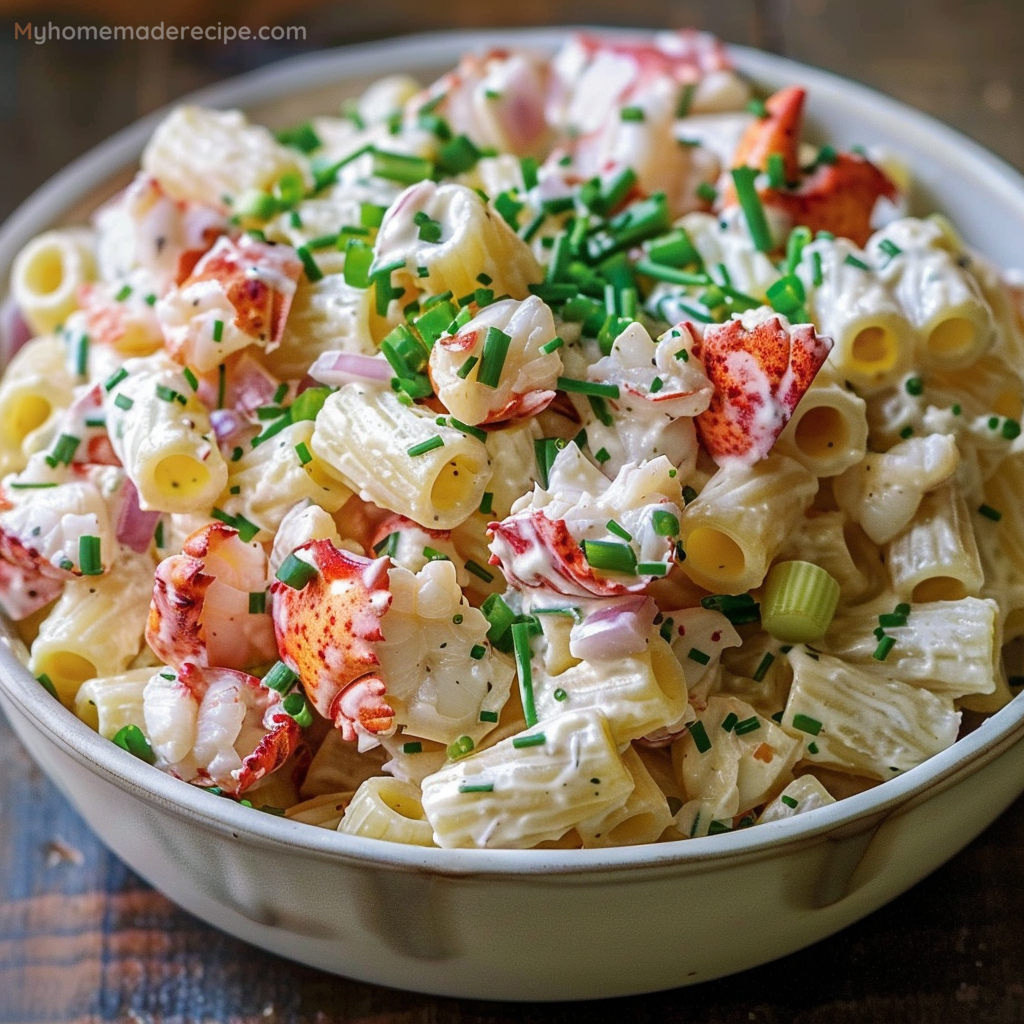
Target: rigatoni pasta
{"type": "Point", "coordinates": [600, 464]}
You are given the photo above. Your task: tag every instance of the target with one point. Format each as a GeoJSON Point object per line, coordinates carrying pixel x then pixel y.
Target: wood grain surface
{"type": "Point", "coordinates": [83, 940]}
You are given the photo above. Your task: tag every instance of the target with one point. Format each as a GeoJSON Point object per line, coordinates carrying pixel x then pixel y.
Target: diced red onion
{"type": "Point", "coordinates": [14, 331]}
{"type": "Point", "coordinates": [617, 630]}
{"type": "Point", "coordinates": [337, 368]}
{"type": "Point", "coordinates": [227, 424]}
{"type": "Point", "coordinates": [135, 528]}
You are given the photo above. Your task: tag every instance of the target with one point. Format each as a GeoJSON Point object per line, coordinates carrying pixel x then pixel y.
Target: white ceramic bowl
{"type": "Point", "coordinates": [532, 924]}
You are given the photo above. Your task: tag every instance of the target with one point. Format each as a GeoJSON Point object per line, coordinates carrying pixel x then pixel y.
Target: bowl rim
{"type": "Point", "coordinates": [421, 52]}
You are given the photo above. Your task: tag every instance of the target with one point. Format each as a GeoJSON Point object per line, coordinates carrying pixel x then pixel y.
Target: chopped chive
{"type": "Point", "coordinates": [538, 739]}
{"type": "Point", "coordinates": [81, 352]}
{"type": "Point", "coordinates": [218, 330]}
{"type": "Point", "coordinates": [295, 572]}
{"type": "Point", "coordinates": [257, 602]}
{"type": "Point", "coordinates": [309, 264]}
{"type": "Point", "coordinates": [613, 527]}
{"type": "Point", "coordinates": [476, 787]}
{"type": "Point", "coordinates": [656, 385]}
{"type": "Point", "coordinates": [610, 556]}
{"type": "Point", "coordinates": [433, 555]}
{"type": "Point", "coordinates": [17, 485]}
{"type": "Point", "coordinates": [64, 450]}
{"type": "Point", "coordinates": [700, 737]}
{"type": "Point", "coordinates": [467, 428]}
{"type": "Point", "coordinates": [892, 620]}
{"type": "Point", "coordinates": [429, 229]}
{"type": "Point", "coordinates": [685, 99]}
{"type": "Point", "coordinates": [47, 684]}
{"type": "Point", "coordinates": [853, 261]}
{"type": "Point", "coordinates": [521, 648]}
{"type": "Point", "coordinates": [730, 720]}
{"type": "Point", "coordinates": [413, 747]}
{"type": "Point", "coordinates": [132, 739]}
{"type": "Point", "coordinates": [762, 669]}
{"type": "Point", "coordinates": [786, 295]}
{"type": "Point", "coordinates": [689, 494]}
{"type": "Point", "coordinates": [776, 170]}
{"type": "Point", "coordinates": [1011, 429]}
{"type": "Point", "coordinates": [479, 571]}
{"type": "Point", "coordinates": [193, 380]}
{"type": "Point", "coordinates": [788, 800]}
{"type": "Point", "coordinates": [698, 656]}
{"type": "Point", "coordinates": [280, 678]}
{"type": "Point", "coordinates": [632, 114]}
{"type": "Point", "coordinates": [115, 378]}
{"type": "Point", "coordinates": [246, 530]}
{"type": "Point", "coordinates": [751, 724]}
{"type": "Point", "coordinates": [476, 652]}
{"type": "Point", "coordinates": [423, 447]}
{"type": "Point", "coordinates": [400, 167]}
{"type": "Point", "coordinates": [492, 360]}
{"type": "Point", "coordinates": [552, 346]}
{"type": "Point", "coordinates": [464, 370]}
{"type": "Point", "coordinates": [906, 432]}
{"type": "Point", "coordinates": [89, 556]}
{"type": "Point", "coordinates": [652, 568]}
{"type": "Point", "coordinates": [303, 452]}
{"type": "Point", "coordinates": [914, 386]}
{"type": "Point", "coordinates": [487, 504]}
{"type": "Point", "coordinates": [757, 108]}
{"type": "Point", "coordinates": [990, 513]}
{"type": "Point", "coordinates": [812, 748]}
{"type": "Point", "coordinates": [827, 155]}
{"type": "Point", "coordinates": [488, 716]}
{"type": "Point", "coordinates": [807, 724]}
{"type": "Point", "coordinates": [459, 155]}
{"type": "Point", "coordinates": [295, 706]}
{"type": "Point", "coordinates": [746, 192]}
{"type": "Point", "coordinates": [158, 536]}
{"type": "Point", "coordinates": [817, 274]}
{"type": "Point", "coordinates": [602, 455]}
{"type": "Point", "coordinates": [587, 387]}
{"type": "Point", "coordinates": [706, 191]}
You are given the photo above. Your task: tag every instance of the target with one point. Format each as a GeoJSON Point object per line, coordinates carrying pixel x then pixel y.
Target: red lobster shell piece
{"type": "Point", "coordinates": [279, 734]}
{"type": "Point", "coordinates": [25, 591]}
{"type": "Point", "coordinates": [253, 279]}
{"type": "Point", "coordinates": [325, 634]}
{"type": "Point", "coordinates": [838, 197]}
{"type": "Point", "coordinates": [759, 374]}
{"type": "Point", "coordinates": [200, 610]}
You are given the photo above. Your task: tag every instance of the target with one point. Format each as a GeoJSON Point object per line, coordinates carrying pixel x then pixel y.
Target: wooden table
{"type": "Point", "coordinates": [84, 940]}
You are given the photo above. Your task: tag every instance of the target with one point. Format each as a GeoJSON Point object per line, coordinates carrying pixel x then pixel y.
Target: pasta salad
{"type": "Point", "coordinates": [566, 454]}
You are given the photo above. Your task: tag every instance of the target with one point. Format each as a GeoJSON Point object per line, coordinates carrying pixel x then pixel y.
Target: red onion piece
{"type": "Point", "coordinates": [14, 331]}
{"type": "Point", "coordinates": [227, 424]}
{"type": "Point", "coordinates": [617, 630]}
{"type": "Point", "coordinates": [337, 368]}
{"type": "Point", "coordinates": [247, 386]}
{"type": "Point", "coordinates": [135, 528]}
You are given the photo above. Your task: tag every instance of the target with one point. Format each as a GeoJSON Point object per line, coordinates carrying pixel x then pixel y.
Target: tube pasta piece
{"type": "Point", "coordinates": [199, 155]}
{"type": "Point", "coordinates": [384, 808]}
{"type": "Point", "coordinates": [217, 727]}
{"type": "Point", "coordinates": [527, 380]}
{"type": "Point", "coordinates": [543, 543]}
{"type": "Point", "coordinates": [863, 722]}
{"type": "Point", "coordinates": [734, 529]}
{"type": "Point", "coordinates": [413, 760]}
{"type": "Point", "coordinates": [936, 557]}
{"type": "Point", "coordinates": [96, 627]}
{"type": "Point", "coordinates": [364, 434]}
{"type": "Point", "coordinates": [820, 537]}
{"type": "Point", "coordinates": [642, 818]}
{"type": "Point", "coordinates": [438, 690]}
{"type": "Point", "coordinates": [36, 388]}
{"type": "Point", "coordinates": [340, 767]}
{"type": "Point", "coordinates": [699, 638]}
{"type": "Point", "coordinates": [278, 474]}
{"type": "Point", "coordinates": [470, 541]}
{"type": "Point", "coordinates": [741, 761]}
{"type": "Point", "coordinates": [109, 704]}
{"type": "Point", "coordinates": [883, 492]}
{"type": "Point", "coordinates": [512, 448]}
{"type": "Point", "coordinates": [239, 294]}
{"type": "Point", "coordinates": [948, 647]}
{"type": "Point", "coordinates": [411, 546]}
{"type": "Point", "coordinates": [800, 796]}
{"type": "Point", "coordinates": [874, 341]}
{"type": "Point", "coordinates": [325, 811]}
{"type": "Point", "coordinates": [165, 443]}
{"type": "Point", "coordinates": [128, 324]}
{"type": "Point", "coordinates": [325, 315]}
{"type": "Point", "coordinates": [537, 792]}
{"type": "Point", "coordinates": [202, 605]}
{"type": "Point", "coordinates": [828, 431]}
{"type": "Point", "coordinates": [759, 367]}
{"type": "Point", "coordinates": [941, 300]}
{"type": "Point", "coordinates": [640, 693]}
{"type": "Point", "coordinates": [47, 275]}
{"type": "Point", "coordinates": [474, 240]}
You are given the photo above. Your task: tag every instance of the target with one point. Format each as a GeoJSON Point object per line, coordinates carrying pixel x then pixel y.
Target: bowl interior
{"type": "Point", "coordinates": [982, 195]}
